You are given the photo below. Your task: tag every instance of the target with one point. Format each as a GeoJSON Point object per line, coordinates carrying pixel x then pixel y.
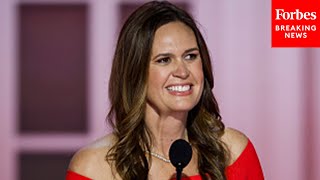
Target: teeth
{"type": "Point", "coordinates": [179, 88]}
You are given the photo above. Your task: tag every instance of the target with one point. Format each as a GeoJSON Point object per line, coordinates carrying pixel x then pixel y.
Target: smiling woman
{"type": "Point", "coordinates": [160, 90]}
{"type": "Point", "coordinates": [175, 82]}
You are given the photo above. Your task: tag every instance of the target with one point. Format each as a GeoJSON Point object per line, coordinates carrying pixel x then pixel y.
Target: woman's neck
{"type": "Point", "coordinates": [165, 129]}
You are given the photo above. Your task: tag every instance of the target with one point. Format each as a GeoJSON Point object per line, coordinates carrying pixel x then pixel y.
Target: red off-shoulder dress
{"type": "Point", "coordinates": [246, 167]}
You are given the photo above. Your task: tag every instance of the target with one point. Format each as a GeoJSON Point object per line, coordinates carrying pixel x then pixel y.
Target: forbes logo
{"type": "Point", "coordinates": [296, 15]}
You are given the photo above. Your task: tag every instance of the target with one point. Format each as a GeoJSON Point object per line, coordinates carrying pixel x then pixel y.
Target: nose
{"type": "Point", "coordinates": [181, 70]}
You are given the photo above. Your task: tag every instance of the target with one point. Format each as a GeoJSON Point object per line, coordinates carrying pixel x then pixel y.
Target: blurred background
{"type": "Point", "coordinates": [55, 59]}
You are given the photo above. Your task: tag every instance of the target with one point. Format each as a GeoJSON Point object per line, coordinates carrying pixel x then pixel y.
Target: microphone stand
{"type": "Point", "coordinates": [179, 172]}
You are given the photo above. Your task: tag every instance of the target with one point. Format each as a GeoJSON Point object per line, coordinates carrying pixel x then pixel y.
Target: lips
{"type": "Point", "coordinates": [179, 88]}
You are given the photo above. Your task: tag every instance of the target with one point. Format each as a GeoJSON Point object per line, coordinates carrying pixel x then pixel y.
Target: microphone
{"type": "Point", "coordinates": [180, 154]}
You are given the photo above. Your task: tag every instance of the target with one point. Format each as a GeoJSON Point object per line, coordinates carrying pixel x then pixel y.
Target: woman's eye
{"type": "Point", "coordinates": [163, 60]}
{"type": "Point", "coordinates": [191, 56]}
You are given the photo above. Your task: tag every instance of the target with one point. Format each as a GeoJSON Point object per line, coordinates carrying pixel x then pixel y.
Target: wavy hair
{"type": "Point", "coordinates": [128, 89]}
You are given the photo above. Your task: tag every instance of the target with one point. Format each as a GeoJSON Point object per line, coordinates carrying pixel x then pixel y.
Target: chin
{"type": "Point", "coordinates": [184, 108]}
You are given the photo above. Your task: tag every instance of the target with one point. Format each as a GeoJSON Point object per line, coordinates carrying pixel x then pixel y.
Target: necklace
{"type": "Point", "coordinates": [156, 155]}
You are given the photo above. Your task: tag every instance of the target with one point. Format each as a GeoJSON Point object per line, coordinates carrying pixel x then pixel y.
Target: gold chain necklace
{"type": "Point", "coordinates": [156, 155]}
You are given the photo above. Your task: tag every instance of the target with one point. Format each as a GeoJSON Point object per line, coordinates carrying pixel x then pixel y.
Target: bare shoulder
{"type": "Point", "coordinates": [236, 142]}
{"type": "Point", "coordinates": [90, 161]}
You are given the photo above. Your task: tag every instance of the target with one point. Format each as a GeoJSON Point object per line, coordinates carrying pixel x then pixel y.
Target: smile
{"type": "Point", "coordinates": [183, 88]}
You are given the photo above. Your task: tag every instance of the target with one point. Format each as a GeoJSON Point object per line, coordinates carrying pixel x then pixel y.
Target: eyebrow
{"type": "Point", "coordinates": [170, 54]}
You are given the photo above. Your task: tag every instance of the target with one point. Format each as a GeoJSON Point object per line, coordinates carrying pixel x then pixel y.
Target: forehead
{"type": "Point", "coordinates": [173, 36]}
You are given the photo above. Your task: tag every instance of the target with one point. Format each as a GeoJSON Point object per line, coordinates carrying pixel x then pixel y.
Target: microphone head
{"type": "Point", "coordinates": [180, 153]}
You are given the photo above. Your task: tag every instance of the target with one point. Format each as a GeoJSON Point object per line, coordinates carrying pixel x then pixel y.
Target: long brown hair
{"type": "Point", "coordinates": [127, 93]}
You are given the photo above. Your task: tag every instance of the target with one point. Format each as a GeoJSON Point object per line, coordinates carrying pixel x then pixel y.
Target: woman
{"type": "Point", "coordinates": [160, 90]}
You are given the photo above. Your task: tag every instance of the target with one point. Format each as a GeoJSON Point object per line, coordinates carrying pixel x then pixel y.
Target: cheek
{"type": "Point", "coordinates": [156, 78]}
{"type": "Point", "coordinates": [198, 73]}
{"type": "Point", "coordinates": [158, 73]}
{"type": "Point", "coordinates": [200, 80]}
